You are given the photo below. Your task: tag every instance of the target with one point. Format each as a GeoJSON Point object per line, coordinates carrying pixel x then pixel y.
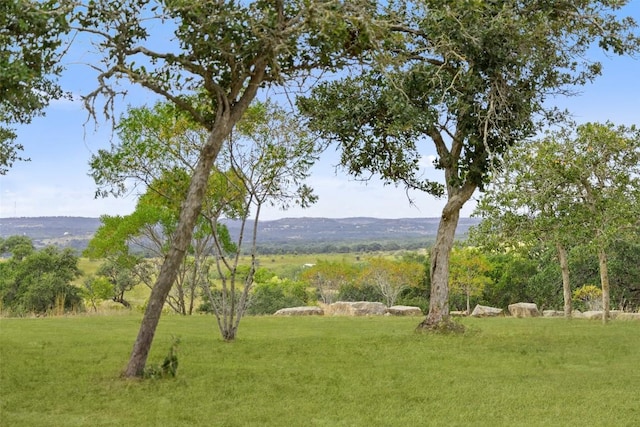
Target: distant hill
{"type": "Point", "coordinates": [62, 231]}
{"type": "Point", "coordinates": [75, 232]}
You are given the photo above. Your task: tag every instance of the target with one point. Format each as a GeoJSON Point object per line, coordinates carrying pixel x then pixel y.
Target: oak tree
{"type": "Point", "coordinates": [471, 78]}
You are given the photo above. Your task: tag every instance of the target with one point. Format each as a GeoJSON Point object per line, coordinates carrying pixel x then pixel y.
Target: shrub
{"type": "Point", "coordinates": [415, 297]}
{"type": "Point", "coordinates": [40, 282]}
{"type": "Point", "coordinates": [587, 297]}
{"type": "Point", "coordinates": [169, 366]}
{"type": "Point", "coordinates": [356, 292]}
{"type": "Point", "coordinates": [274, 294]}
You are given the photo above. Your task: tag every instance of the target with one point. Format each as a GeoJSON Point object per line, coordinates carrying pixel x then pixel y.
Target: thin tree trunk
{"type": "Point", "coordinates": [566, 285]}
{"type": "Point", "coordinates": [604, 283]}
{"type": "Point", "coordinates": [468, 303]}
{"type": "Point", "coordinates": [179, 245]}
{"type": "Point", "coordinates": [228, 114]}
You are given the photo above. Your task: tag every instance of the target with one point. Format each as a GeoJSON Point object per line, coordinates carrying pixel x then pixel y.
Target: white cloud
{"type": "Point", "coordinates": [426, 162]}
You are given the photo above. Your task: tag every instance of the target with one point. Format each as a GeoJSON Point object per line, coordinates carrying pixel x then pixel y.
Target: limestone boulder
{"type": "Point", "coordinates": [404, 310]}
{"type": "Point", "coordinates": [552, 313]}
{"type": "Point", "coordinates": [592, 315]}
{"type": "Point", "coordinates": [300, 311]}
{"type": "Point", "coordinates": [524, 309]}
{"type": "Point", "coordinates": [597, 314]}
{"type": "Point", "coordinates": [458, 313]}
{"type": "Point", "coordinates": [358, 308]}
{"type": "Point", "coordinates": [485, 311]}
{"type": "Point", "coordinates": [628, 316]}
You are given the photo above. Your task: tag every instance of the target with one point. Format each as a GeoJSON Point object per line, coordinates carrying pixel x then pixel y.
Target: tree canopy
{"type": "Point", "coordinates": [220, 55]}
{"type": "Point", "coordinates": [576, 186]}
{"type": "Point", "coordinates": [31, 37]}
{"type": "Point", "coordinates": [472, 79]}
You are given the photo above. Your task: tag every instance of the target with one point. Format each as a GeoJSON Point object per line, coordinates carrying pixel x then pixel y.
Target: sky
{"type": "Point", "coordinates": [56, 182]}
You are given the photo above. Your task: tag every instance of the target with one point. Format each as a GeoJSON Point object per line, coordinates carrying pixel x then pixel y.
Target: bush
{"type": "Point", "coordinates": [274, 294]}
{"type": "Point", "coordinates": [414, 297]}
{"type": "Point", "coordinates": [39, 282]}
{"type": "Point", "coordinates": [587, 297]}
{"type": "Point", "coordinates": [355, 292]}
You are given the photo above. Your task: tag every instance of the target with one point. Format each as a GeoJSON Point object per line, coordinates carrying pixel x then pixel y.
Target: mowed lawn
{"type": "Point", "coordinates": [333, 371]}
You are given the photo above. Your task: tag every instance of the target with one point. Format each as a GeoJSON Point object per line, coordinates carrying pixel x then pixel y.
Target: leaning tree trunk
{"type": "Point", "coordinates": [227, 116]}
{"type": "Point", "coordinates": [179, 245]}
{"type": "Point", "coordinates": [566, 285]}
{"type": "Point", "coordinates": [604, 283]}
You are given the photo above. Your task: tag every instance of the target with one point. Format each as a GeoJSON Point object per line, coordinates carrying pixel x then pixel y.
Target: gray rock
{"type": "Point", "coordinates": [404, 310]}
{"type": "Point", "coordinates": [552, 313]}
{"type": "Point", "coordinates": [359, 308]}
{"type": "Point", "coordinates": [300, 311]}
{"type": "Point", "coordinates": [484, 311]}
{"type": "Point", "coordinates": [628, 316]}
{"type": "Point", "coordinates": [592, 315]}
{"type": "Point", "coordinates": [524, 309]}
{"type": "Point", "coordinates": [458, 313]}
{"type": "Point", "coordinates": [613, 314]}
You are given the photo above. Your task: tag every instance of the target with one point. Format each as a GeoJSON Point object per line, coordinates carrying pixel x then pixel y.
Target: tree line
{"type": "Point", "coordinates": [41, 282]}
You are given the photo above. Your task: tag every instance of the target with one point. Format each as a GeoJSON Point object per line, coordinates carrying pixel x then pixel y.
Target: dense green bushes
{"type": "Point", "coordinates": [269, 297]}
{"type": "Point", "coordinates": [37, 281]}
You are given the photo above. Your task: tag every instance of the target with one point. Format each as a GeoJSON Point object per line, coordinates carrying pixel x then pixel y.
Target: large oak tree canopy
{"type": "Point", "coordinates": [471, 77]}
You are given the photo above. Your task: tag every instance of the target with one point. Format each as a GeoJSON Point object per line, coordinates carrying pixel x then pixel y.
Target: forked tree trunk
{"type": "Point", "coordinates": [604, 283]}
{"type": "Point", "coordinates": [566, 285]}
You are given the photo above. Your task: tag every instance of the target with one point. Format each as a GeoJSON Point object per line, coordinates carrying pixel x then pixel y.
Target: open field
{"type": "Point", "coordinates": [334, 371]}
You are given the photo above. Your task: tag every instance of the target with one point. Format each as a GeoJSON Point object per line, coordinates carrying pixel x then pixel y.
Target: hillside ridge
{"type": "Point", "coordinates": [69, 231]}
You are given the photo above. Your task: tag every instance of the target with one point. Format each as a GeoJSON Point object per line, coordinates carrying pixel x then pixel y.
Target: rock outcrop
{"type": "Point", "coordinates": [484, 311]}
{"type": "Point", "coordinates": [300, 311]}
{"type": "Point", "coordinates": [552, 313]}
{"type": "Point", "coordinates": [628, 316]}
{"type": "Point", "coordinates": [524, 309]}
{"type": "Point", "coordinates": [404, 310]}
{"type": "Point", "coordinates": [358, 308]}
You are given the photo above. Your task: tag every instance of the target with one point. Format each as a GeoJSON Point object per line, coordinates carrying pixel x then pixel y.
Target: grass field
{"type": "Point", "coordinates": [333, 371]}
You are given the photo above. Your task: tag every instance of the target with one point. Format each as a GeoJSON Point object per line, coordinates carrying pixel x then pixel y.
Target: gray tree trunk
{"type": "Point", "coordinates": [231, 108]}
{"type": "Point", "coordinates": [179, 245]}
{"type": "Point", "coordinates": [604, 283]}
{"type": "Point", "coordinates": [439, 271]}
{"type": "Point", "coordinates": [566, 285]}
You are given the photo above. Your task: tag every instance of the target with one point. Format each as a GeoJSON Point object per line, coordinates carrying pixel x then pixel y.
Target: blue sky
{"type": "Point", "coordinates": [56, 183]}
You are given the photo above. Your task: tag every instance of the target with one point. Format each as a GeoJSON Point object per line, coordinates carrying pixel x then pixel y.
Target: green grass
{"type": "Point", "coordinates": [332, 371]}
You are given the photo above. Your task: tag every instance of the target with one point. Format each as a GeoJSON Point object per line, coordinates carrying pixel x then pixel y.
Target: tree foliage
{"type": "Point", "coordinates": [221, 54]}
{"type": "Point", "coordinates": [328, 276]}
{"type": "Point", "coordinates": [31, 36]}
{"type": "Point", "coordinates": [471, 78]}
{"type": "Point", "coordinates": [572, 188]}
{"type": "Point", "coordinates": [469, 273]}
{"type": "Point", "coordinates": [38, 281]}
{"type": "Point", "coordinates": [391, 277]}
